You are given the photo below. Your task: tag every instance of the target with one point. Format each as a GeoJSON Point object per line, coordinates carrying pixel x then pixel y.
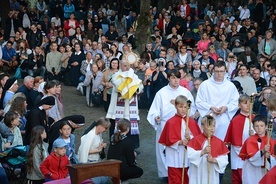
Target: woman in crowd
{"type": "Point", "coordinates": [203, 43]}
{"type": "Point", "coordinates": [93, 79]}
{"type": "Point", "coordinates": [260, 107]}
{"type": "Point", "coordinates": [121, 148]}
{"type": "Point", "coordinates": [272, 82]}
{"type": "Point", "coordinates": [101, 64]}
{"type": "Point", "coordinates": [64, 64]}
{"type": "Point", "coordinates": [92, 144]}
{"type": "Point", "coordinates": [267, 47]}
{"type": "Point", "coordinates": [86, 66]}
{"type": "Point", "coordinates": [116, 53]}
{"type": "Point", "coordinates": [70, 26]}
{"type": "Point", "coordinates": [37, 81]}
{"type": "Point", "coordinates": [79, 34]}
{"type": "Point", "coordinates": [183, 57]}
{"type": "Point", "coordinates": [106, 82]}
{"type": "Point", "coordinates": [50, 89]}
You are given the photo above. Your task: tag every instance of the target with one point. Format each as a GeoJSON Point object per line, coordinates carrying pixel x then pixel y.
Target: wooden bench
{"type": "Point", "coordinates": [81, 172]}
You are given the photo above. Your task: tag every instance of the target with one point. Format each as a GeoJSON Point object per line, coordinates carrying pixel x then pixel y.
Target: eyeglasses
{"type": "Point", "coordinates": [219, 71]}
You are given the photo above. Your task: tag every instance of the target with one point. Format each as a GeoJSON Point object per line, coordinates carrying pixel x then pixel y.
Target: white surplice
{"type": "Point", "coordinates": [218, 94]}
{"type": "Point", "coordinates": [175, 153]}
{"type": "Point", "coordinates": [198, 170]}
{"type": "Point", "coordinates": [162, 106]}
{"type": "Point", "coordinates": [236, 161]}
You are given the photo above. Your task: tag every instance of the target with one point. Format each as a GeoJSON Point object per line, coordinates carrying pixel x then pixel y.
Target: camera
{"type": "Point", "coordinates": [161, 63]}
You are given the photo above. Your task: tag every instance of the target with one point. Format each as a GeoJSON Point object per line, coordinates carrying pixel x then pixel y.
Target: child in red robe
{"type": "Point", "coordinates": [237, 133]}
{"type": "Point", "coordinates": [175, 137]}
{"type": "Point", "coordinates": [207, 161]}
{"type": "Point", "coordinates": [254, 152]}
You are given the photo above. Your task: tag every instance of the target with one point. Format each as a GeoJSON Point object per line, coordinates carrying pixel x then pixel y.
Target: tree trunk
{"type": "Point", "coordinates": [144, 24]}
{"type": "Point", "coordinates": [5, 8]}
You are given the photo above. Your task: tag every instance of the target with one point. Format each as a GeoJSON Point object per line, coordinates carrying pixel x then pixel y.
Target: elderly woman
{"type": "Point", "coordinates": [267, 47]}
{"type": "Point", "coordinates": [93, 83]}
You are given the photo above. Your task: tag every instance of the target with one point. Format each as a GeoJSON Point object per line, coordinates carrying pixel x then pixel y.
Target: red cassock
{"type": "Point", "coordinates": [170, 135]}
{"type": "Point", "coordinates": [250, 146]}
{"type": "Point", "coordinates": [234, 133]}
{"type": "Point", "coordinates": [270, 177]}
{"type": "Point", "coordinates": [172, 130]}
{"type": "Point", "coordinates": [217, 146]}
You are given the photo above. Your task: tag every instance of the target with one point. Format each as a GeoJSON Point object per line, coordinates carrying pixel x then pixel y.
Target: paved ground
{"type": "Point", "coordinates": [75, 104]}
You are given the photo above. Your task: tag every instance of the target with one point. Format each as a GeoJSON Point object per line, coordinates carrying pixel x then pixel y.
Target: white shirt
{"type": "Point", "coordinates": [244, 13]}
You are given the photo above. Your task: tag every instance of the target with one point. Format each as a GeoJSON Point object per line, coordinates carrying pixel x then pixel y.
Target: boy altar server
{"type": "Point", "coordinates": [237, 133]}
{"type": "Point", "coordinates": [254, 152]}
{"type": "Point", "coordinates": [206, 161]}
{"type": "Point", "coordinates": [175, 137]}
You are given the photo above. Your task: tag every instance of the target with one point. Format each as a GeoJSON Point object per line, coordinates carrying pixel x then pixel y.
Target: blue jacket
{"type": "Point", "coordinates": [68, 9]}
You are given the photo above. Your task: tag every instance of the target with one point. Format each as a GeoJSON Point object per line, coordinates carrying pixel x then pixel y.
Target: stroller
{"type": "Point", "coordinates": [14, 161]}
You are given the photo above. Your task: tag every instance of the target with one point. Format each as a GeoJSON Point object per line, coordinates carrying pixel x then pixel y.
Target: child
{"type": "Point", "coordinates": [65, 134]}
{"type": "Point", "coordinates": [175, 137]}
{"type": "Point", "coordinates": [237, 133]}
{"type": "Point", "coordinates": [55, 165]}
{"type": "Point", "coordinates": [11, 120]}
{"type": "Point", "coordinates": [37, 153]}
{"type": "Point", "coordinates": [200, 155]}
{"type": "Point", "coordinates": [254, 151]}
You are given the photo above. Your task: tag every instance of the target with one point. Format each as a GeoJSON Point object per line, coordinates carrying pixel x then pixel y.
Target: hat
{"type": "Point", "coordinates": [48, 100]}
{"type": "Point", "coordinates": [59, 143]}
{"type": "Point", "coordinates": [237, 40]}
{"type": "Point", "coordinates": [77, 119]}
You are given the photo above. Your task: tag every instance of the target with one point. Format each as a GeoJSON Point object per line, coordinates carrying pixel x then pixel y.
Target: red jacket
{"type": "Point", "coordinates": [67, 27]}
{"type": "Point", "coordinates": [56, 166]}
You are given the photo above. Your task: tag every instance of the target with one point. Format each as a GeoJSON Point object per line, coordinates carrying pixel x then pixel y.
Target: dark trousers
{"type": "Point", "coordinates": [52, 77]}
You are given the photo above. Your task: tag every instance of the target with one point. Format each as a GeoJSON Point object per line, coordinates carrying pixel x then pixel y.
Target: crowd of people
{"type": "Point", "coordinates": [216, 56]}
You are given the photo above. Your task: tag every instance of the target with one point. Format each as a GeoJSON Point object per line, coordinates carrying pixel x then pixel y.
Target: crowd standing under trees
{"type": "Point", "coordinates": [200, 46]}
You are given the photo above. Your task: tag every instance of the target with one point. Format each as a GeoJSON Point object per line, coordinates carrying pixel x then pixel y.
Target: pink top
{"type": "Point", "coordinates": [184, 84]}
{"type": "Point", "coordinates": [202, 45]}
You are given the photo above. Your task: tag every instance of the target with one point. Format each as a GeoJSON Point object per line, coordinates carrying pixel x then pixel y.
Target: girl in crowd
{"type": "Point", "coordinates": [11, 120]}
{"type": "Point", "coordinates": [65, 134]}
{"type": "Point", "coordinates": [37, 153]}
{"type": "Point", "coordinates": [121, 148]}
{"type": "Point", "coordinates": [19, 105]}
